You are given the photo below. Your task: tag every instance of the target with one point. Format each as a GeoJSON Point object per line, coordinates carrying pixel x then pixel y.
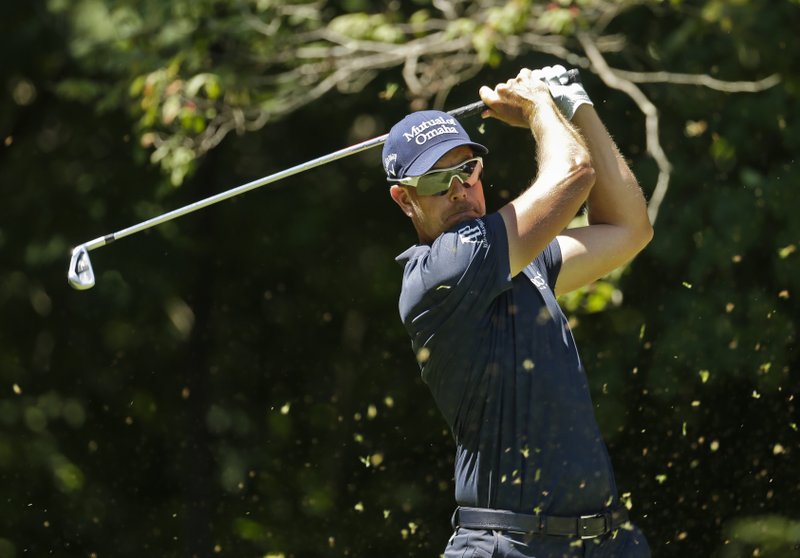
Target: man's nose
{"type": "Point", "coordinates": [458, 189]}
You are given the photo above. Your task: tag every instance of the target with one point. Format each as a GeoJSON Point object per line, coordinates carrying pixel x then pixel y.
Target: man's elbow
{"type": "Point", "coordinates": [637, 231]}
{"type": "Point", "coordinates": [583, 174]}
{"type": "Point", "coordinates": [643, 233]}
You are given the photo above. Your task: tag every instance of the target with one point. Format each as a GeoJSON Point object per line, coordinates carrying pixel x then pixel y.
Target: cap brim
{"type": "Point", "coordinates": [428, 158]}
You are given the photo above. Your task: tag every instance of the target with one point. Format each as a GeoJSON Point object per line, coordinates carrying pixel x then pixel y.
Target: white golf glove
{"type": "Point", "coordinates": [566, 89]}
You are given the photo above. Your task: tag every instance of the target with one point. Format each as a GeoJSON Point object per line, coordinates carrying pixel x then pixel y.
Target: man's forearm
{"type": "Point", "coordinates": [619, 226]}
{"type": "Point", "coordinates": [560, 148]}
{"type": "Point", "coordinates": [565, 177]}
{"type": "Point", "coordinates": [616, 198]}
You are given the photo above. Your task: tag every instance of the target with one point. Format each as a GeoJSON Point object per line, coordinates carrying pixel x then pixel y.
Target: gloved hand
{"type": "Point", "coordinates": [566, 88]}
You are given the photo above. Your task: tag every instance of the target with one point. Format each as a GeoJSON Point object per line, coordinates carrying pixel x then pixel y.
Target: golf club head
{"type": "Point", "coordinates": [80, 275]}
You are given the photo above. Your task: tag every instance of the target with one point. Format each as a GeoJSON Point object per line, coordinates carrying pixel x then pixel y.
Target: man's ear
{"type": "Point", "coordinates": [402, 197]}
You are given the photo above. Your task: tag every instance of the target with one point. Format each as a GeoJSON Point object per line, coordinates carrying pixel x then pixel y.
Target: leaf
{"type": "Point", "coordinates": [170, 109]}
{"type": "Point", "coordinates": [787, 251]}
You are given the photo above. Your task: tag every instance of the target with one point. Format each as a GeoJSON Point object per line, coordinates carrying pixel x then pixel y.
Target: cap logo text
{"type": "Point", "coordinates": [430, 129]}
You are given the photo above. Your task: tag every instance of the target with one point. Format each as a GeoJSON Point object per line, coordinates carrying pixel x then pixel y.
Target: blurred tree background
{"type": "Point", "coordinates": [238, 383]}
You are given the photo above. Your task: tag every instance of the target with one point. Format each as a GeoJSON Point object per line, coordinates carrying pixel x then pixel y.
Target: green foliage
{"type": "Point", "coordinates": [366, 27]}
{"type": "Point", "coordinates": [256, 61]}
{"type": "Point", "coordinates": [596, 297]}
{"type": "Point", "coordinates": [560, 20]}
{"type": "Point", "coordinates": [773, 536]}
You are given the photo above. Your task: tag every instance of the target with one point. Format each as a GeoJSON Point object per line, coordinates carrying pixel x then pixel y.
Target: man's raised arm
{"type": "Point", "coordinates": [565, 174]}
{"type": "Point", "coordinates": [619, 226]}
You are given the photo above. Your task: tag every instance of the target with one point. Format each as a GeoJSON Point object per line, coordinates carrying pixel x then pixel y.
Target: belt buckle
{"type": "Point", "coordinates": [582, 525]}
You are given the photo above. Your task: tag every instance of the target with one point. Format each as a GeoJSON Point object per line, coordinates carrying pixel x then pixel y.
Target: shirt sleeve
{"type": "Point", "coordinates": [457, 278]}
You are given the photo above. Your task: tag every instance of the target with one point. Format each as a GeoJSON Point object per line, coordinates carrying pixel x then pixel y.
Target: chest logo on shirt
{"type": "Point", "coordinates": [471, 234]}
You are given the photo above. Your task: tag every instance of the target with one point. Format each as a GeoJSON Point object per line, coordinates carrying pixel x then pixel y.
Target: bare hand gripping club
{"type": "Point", "coordinates": [81, 274]}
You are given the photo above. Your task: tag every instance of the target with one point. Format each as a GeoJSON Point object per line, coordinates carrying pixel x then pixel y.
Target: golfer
{"type": "Point", "coordinates": [532, 474]}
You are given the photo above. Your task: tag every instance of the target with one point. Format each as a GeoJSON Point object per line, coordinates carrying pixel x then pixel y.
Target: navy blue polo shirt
{"type": "Point", "coordinates": [503, 368]}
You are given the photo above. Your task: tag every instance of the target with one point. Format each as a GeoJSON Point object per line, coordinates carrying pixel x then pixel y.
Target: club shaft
{"type": "Point", "coordinates": [460, 112]}
{"type": "Point", "coordinates": [233, 192]}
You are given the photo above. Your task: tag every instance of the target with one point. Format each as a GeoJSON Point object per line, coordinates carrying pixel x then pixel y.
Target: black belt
{"type": "Point", "coordinates": [584, 526]}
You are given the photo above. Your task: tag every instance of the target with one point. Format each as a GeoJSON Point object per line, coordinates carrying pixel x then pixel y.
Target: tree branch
{"type": "Point", "coordinates": [702, 80]}
{"type": "Point", "coordinates": [613, 80]}
{"type": "Point", "coordinates": [435, 55]}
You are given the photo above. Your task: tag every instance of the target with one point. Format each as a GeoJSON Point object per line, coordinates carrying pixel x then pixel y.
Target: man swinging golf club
{"type": "Point", "coordinates": [532, 474]}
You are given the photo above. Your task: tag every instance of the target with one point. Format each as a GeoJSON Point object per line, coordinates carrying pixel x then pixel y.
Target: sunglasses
{"type": "Point", "coordinates": [437, 182]}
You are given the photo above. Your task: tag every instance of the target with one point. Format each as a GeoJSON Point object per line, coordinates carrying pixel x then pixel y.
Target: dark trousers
{"type": "Point", "coordinates": [475, 543]}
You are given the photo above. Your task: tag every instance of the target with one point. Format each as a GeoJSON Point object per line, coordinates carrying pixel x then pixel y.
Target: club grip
{"type": "Point", "coordinates": [479, 106]}
{"type": "Point", "coordinates": [468, 110]}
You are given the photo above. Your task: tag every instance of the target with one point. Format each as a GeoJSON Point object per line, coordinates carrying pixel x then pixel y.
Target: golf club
{"type": "Point", "coordinates": [81, 274]}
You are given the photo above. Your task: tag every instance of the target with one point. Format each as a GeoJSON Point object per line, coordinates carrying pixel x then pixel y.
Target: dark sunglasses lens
{"type": "Point", "coordinates": [438, 183]}
{"type": "Point", "coordinates": [468, 168]}
{"type": "Point", "coordinates": [434, 184]}
{"type": "Point", "coordinates": [465, 171]}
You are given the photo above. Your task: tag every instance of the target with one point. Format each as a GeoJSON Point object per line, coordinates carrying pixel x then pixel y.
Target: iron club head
{"type": "Point", "coordinates": [80, 274]}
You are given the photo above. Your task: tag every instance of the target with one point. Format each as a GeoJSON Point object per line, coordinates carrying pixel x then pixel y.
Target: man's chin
{"type": "Point", "coordinates": [462, 216]}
